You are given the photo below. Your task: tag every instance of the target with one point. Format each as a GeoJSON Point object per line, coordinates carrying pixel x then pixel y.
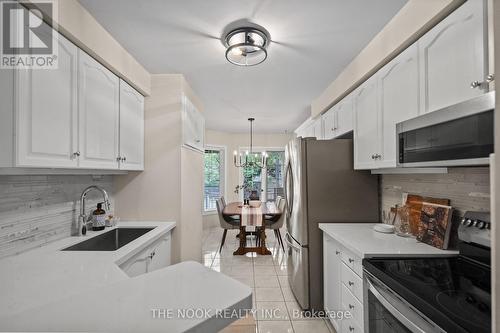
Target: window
{"type": "Point", "coordinates": [268, 186]}
{"type": "Point", "coordinates": [275, 172]}
{"type": "Point", "coordinates": [214, 177]}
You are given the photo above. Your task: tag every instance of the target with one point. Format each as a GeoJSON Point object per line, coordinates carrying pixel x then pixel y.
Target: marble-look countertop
{"type": "Point", "coordinates": [362, 240]}
{"type": "Point", "coordinates": [46, 289]}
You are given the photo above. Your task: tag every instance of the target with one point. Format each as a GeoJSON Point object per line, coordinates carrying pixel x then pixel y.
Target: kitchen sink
{"type": "Point", "coordinates": [109, 241]}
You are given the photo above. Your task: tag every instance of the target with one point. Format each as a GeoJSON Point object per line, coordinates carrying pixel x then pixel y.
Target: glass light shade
{"type": "Point", "coordinates": [246, 47]}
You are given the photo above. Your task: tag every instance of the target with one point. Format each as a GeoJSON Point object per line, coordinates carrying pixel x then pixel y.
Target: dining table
{"type": "Point", "coordinates": [252, 215]}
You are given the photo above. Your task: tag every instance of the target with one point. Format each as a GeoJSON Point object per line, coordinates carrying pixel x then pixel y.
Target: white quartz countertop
{"type": "Point", "coordinates": [51, 290]}
{"type": "Point", "coordinates": [365, 242]}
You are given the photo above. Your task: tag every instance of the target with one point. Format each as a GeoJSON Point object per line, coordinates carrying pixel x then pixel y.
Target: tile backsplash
{"type": "Point", "coordinates": [467, 188]}
{"type": "Point", "coordinates": [35, 210]}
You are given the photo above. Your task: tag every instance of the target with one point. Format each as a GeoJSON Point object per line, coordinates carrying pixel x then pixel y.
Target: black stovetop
{"type": "Point", "coordinates": [454, 292]}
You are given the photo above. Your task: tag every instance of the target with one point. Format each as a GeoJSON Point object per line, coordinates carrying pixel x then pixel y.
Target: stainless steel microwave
{"type": "Point", "coordinates": [458, 135]}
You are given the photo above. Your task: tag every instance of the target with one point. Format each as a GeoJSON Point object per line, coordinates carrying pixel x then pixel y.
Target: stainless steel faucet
{"type": "Point", "coordinates": [82, 219]}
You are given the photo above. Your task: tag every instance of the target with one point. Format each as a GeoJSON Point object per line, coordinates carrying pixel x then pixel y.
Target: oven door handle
{"type": "Point", "coordinates": [400, 316]}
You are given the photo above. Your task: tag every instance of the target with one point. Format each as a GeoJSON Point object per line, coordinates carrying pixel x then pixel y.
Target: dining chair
{"type": "Point", "coordinates": [276, 225]}
{"type": "Point", "coordinates": [226, 223]}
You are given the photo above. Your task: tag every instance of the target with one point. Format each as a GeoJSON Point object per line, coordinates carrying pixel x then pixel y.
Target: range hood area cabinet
{"type": "Point", "coordinates": [78, 116]}
{"type": "Point", "coordinates": [338, 120]}
{"type": "Point", "coordinates": [335, 122]}
{"type": "Point", "coordinates": [439, 70]}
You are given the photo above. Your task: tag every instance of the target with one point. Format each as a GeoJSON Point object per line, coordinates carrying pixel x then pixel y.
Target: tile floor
{"type": "Point", "coordinates": [267, 276]}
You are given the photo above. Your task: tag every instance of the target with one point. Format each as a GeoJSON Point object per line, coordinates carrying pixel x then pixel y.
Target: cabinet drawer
{"type": "Point", "coordinates": [352, 281]}
{"type": "Point", "coordinates": [351, 303]}
{"type": "Point", "coordinates": [352, 261]}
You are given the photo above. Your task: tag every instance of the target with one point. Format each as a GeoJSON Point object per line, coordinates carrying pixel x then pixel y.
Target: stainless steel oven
{"type": "Point", "coordinates": [387, 312]}
{"type": "Point", "coordinates": [458, 135]}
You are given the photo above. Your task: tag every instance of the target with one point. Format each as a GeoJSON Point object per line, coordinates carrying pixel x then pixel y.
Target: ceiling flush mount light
{"type": "Point", "coordinates": [246, 46]}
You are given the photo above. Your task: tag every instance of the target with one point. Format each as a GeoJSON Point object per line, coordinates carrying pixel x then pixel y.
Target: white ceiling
{"type": "Point", "coordinates": [313, 40]}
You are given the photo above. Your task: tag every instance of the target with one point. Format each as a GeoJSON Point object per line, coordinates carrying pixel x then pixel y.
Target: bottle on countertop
{"type": "Point", "coordinates": [98, 218]}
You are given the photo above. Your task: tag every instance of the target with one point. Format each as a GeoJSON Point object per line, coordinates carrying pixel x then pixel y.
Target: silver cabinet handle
{"type": "Point", "coordinates": [373, 156]}
{"type": "Point", "coordinates": [76, 153]}
{"type": "Point", "coordinates": [477, 84]}
{"type": "Point", "coordinates": [124, 159]}
{"type": "Point", "coordinates": [351, 328]}
{"type": "Point", "coordinates": [351, 306]}
{"type": "Point", "coordinates": [351, 260]}
{"type": "Point", "coordinates": [351, 283]}
{"type": "Point", "coordinates": [337, 252]}
{"type": "Point", "coordinates": [118, 159]}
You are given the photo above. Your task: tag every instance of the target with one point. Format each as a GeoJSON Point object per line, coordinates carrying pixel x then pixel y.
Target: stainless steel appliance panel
{"type": "Point", "coordinates": [295, 196]}
{"type": "Point", "coordinates": [387, 312]}
{"type": "Point", "coordinates": [297, 263]}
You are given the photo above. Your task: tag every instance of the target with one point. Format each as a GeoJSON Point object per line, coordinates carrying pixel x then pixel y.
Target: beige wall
{"type": "Point", "coordinates": [76, 23]}
{"type": "Point", "coordinates": [233, 141]}
{"type": "Point", "coordinates": [411, 22]}
{"type": "Point", "coordinates": [170, 187]}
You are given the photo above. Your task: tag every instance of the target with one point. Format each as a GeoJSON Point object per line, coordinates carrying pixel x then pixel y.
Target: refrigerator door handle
{"type": "Point", "coordinates": [290, 243]}
{"type": "Point", "coordinates": [288, 196]}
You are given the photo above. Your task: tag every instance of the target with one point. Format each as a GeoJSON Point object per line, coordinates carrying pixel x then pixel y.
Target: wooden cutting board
{"type": "Point", "coordinates": [415, 203]}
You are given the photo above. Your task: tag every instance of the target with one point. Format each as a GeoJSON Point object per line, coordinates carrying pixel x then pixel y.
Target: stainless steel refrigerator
{"type": "Point", "coordinates": [321, 186]}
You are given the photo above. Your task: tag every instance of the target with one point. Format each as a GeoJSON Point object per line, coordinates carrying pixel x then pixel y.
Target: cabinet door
{"type": "Point", "coordinates": [160, 254]}
{"type": "Point", "coordinates": [399, 100]}
{"type": "Point", "coordinates": [328, 122]}
{"type": "Point", "coordinates": [98, 114]}
{"type": "Point", "coordinates": [344, 116]}
{"type": "Point", "coordinates": [317, 129]}
{"type": "Point", "coordinates": [193, 126]}
{"type": "Point", "coordinates": [47, 112]}
{"type": "Point", "coordinates": [131, 128]}
{"type": "Point", "coordinates": [452, 55]}
{"type": "Point", "coordinates": [366, 125]}
{"type": "Point", "coordinates": [332, 279]}
{"type": "Point", "coordinates": [137, 265]}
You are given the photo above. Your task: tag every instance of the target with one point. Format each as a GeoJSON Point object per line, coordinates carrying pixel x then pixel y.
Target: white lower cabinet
{"type": "Point", "coordinates": [343, 286]}
{"type": "Point", "coordinates": [155, 256]}
{"type": "Point", "coordinates": [332, 279]}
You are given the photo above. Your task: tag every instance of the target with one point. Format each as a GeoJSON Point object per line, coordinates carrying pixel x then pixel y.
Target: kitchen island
{"type": "Point", "coordinates": [47, 289]}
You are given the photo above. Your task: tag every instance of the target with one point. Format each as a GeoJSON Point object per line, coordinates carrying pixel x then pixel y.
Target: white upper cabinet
{"type": "Point", "coordinates": [47, 113]}
{"type": "Point", "coordinates": [193, 126]}
{"type": "Point", "coordinates": [99, 108]}
{"type": "Point", "coordinates": [328, 122]}
{"type": "Point", "coordinates": [366, 125]}
{"type": "Point", "coordinates": [343, 116]}
{"type": "Point", "coordinates": [131, 128]}
{"type": "Point", "coordinates": [338, 120]}
{"type": "Point", "coordinates": [317, 129]}
{"type": "Point", "coordinates": [399, 100]}
{"type": "Point", "coordinates": [453, 55]}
